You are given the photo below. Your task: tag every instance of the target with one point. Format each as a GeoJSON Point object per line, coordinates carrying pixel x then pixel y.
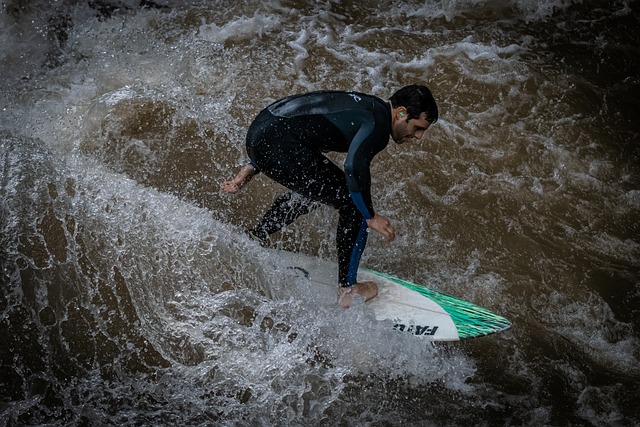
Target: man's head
{"type": "Point", "coordinates": [413, 110]}
{"type": "Point", "coordinates": [416, 99]}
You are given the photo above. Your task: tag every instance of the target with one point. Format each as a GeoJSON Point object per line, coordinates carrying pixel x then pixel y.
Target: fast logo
{"type": "Point", "coordinates": [416, 329]}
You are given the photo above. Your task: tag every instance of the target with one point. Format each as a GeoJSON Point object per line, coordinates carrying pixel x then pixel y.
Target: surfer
{"type": "Point", "coordinates": [287, 140]}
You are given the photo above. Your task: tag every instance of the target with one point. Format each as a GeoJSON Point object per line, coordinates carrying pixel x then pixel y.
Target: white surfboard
{"type": "Point", "coordinates": [407, 307]}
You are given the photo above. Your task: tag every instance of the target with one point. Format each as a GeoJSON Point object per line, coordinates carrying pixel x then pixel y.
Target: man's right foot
{"type": "Point", "coordinates": [368, 290]}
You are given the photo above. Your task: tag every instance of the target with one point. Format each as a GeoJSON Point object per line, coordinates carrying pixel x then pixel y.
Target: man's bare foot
{"type": "Point", "coordinates": [368, 290]}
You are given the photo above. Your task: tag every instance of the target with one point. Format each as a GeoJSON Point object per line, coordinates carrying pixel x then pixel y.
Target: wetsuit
{"type": "Point", "coordinates": [286, 142]}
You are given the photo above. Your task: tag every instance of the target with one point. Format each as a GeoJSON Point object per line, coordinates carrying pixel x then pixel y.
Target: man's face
{"type": "Point", "coordinates": [408, 130]}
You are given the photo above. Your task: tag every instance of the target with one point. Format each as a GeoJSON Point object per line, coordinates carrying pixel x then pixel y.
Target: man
{"type": "Point", "coordinates": [286, 142]}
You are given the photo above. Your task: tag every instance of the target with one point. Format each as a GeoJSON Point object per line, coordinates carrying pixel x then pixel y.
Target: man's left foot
{"type": "Point", "coordinates": [368, 290]}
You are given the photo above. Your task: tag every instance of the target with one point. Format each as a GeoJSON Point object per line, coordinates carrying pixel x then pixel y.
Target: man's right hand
{"type": "Point", "coordinates": [383, 226]}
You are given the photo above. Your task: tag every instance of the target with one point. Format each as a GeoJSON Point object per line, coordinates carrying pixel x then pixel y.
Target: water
{"type": "Point", "coordinates": [131, 296]}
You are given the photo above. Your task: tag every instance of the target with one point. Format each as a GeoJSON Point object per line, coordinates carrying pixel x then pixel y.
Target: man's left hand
{"type": "Point", "coordinates": [383, 226]}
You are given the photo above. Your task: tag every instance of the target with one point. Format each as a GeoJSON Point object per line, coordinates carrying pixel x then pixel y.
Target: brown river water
{"type": "Point", "coordinates": [131, 295]}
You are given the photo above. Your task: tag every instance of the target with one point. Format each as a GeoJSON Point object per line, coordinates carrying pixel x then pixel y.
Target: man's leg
{"type": "Point", "coordinates": [309, 173]}
{"type": "Point", "coordinates": [285, 209]}
{"type": "Point", "coordinates": [312, 175]}
{"type": "Point", "coordinates": [351, 239]}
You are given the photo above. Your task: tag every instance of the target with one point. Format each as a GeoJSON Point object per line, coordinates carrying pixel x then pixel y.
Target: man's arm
{"type": "Point", "coordinates": [359, 180]}
{"type": "Point", "coordinates": [356, 168]}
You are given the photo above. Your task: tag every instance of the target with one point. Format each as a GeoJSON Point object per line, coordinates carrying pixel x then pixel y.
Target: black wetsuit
{"type": "Point", "coordinates": [286, 142]}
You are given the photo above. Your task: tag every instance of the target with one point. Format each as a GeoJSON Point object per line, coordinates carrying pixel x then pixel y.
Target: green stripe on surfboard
{"type": "Point", "coordinates": [470, 319]}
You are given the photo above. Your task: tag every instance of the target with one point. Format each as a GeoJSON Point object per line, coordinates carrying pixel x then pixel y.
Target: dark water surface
{"type": "Point", "coordinates": [131, 296]}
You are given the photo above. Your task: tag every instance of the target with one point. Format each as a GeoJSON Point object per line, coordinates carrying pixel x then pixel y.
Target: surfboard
{"type": "Point", "coordinates": [405, 306]}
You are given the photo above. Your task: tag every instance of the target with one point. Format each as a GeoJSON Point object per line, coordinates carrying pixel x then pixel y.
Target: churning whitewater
{"type": "Point", "coordinates": [131, 294]}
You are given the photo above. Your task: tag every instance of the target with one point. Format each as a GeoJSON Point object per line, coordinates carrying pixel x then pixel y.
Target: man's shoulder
{"type": "Point", "coordinates": [350, 95]}
{"type": "Point", "coordinates": [324, 102]}
{"type": "Point", "coordinates": [333, 95]}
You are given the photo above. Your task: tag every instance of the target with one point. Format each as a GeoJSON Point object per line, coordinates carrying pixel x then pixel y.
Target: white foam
{"type": "Point", "coordinates": [530, 10]}
{"type": "Point", "coordinates": [242, 28]}
{"type": "Point", "coordinates": [119, 95]}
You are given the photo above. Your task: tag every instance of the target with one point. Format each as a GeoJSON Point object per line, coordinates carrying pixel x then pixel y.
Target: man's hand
{"type": "Point", "coordinates": [230, 187]}
{"type": "Point", "coordinates": [383, 226]}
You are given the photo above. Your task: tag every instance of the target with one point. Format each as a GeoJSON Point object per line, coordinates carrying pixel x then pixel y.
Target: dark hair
{"type": "Point", "coordinates": [416, 99]}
